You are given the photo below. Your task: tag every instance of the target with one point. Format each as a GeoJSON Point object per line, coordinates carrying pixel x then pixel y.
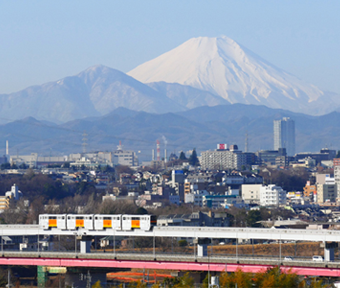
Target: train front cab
{"type": "Point", "coordinates": [143, 222]}
{"type": "Point", "coordinates": [76, 221]}
{"type": "Point", "coordinates": [102, 222]}
{"type": "Point", "coordinates": [49, 221]}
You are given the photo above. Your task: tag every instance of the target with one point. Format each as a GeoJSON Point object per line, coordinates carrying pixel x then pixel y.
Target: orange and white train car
{"type": "Point", "coordinates": [142, 222]}
{"type": "Point", "coordinates": [76, 221]}
{"type": "Point", "coordinates": [48, 221]}
{"type": "Point", "coordinates": [97, 221]}
{"type": "Point", "coordinates": [102, 222]}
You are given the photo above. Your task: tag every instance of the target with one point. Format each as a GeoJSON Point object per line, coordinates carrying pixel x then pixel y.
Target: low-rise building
{"type": "Point", "coordinates": [219, 201]}
{"type": "Point", "coordinates": [272, 195]}
{"type": "Point", "coordinates": [251, 193]}
{"type": "Point", "coordinates": [196, 197]}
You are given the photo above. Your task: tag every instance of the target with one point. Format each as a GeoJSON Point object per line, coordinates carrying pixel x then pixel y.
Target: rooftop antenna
{"type": "Point", "coordinates": [246, 143]}
{"type": "Point", "coordinates": [120, 146]}
{"type": "Point", "coordinates": [84, 142]}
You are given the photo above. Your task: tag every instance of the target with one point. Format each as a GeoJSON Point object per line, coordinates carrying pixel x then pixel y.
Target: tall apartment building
{"type": "Point", "coordinates": [284, 135]}
{"type": "Point", "coordinates": [223, 158]}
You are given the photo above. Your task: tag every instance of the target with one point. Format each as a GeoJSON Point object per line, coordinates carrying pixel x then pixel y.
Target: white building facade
{"type": "Point", "coordinates": [196, 197]}
{"type": "Point", "coordinates": [272, 195]}
{"type": "Point", "coordinates": [251, 193]}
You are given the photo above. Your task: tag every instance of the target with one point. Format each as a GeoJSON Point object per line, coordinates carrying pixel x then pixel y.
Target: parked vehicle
{"type": "Point", "coordinates": [288, 258]}
{"type": "Point", "coordinates": [317, 258]}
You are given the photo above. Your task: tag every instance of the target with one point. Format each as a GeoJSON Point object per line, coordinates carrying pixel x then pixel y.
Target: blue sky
{"type": "Point", "coordinates": [43, 41]}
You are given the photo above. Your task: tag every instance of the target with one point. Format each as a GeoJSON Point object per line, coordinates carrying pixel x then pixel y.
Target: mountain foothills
{"type": "Point", "coordinates": [201, 72]}
{"type": "Point", "coordinates": [201, 127]}
{"type": "Point", "coordinates": [227, 69]}
{"type": "Point", "coordinates": [97, 91]}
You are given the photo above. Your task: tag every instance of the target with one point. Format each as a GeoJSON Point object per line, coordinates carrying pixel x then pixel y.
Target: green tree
{"type": "Point", "coordinates": [253, 217]}
{"type": "Point", "coordinates": [182, 156]}
{"type": "Point", "coordinates": [142, 211]}
{"type": "Point", "coordinates": [5, 166]}
{"type": "Point", "coordinates": [182, 243]}
{"type": "Point", "coordinates": [193, 159]}
{"type": "Point", "coordinates": [23, 166]}
{"type": "Point", "coordinates": [185, 281]}
{"type": "Point", "coordinates": [66, 165]}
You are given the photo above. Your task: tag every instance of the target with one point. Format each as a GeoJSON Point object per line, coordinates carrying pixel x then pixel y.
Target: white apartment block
{"type": "Point", "coordinates": [127, 158]}
{"type": "Point", "coordinates": [30, 160]}
{"type": "Point", "coordinates": [196, 197]}
{"type": "Point", "coordinates": [272, 195]}
{"type": "Point", "coordinates": [222, 159]}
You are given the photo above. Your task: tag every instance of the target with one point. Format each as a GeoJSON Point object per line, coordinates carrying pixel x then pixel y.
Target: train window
{"type": "Point", "coordinates": [53, 217]}
{"type": "Point", "coordinates": [79, 218]}
{"type": "Point", "coordinates": [106, 218]}
{"type": "Point", "coordinates": [135, 218]}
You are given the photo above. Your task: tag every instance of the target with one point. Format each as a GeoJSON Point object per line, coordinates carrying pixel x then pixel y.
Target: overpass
{"type": "Point", "coordinates": [198, 262]}
{"type": "Point", "coordinates": [168, 262]}
{"type": "Point", "coordinates": [186, 232]}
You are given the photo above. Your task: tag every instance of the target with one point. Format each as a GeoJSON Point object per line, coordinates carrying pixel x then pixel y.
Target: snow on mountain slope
{"type": "Point", "coordinates": [188, 96]}
{"type": "Point", "coordinates": [225, 68]}
{"type": "Point", "coordinates": [95, 91]}
{"type": "Point", "coordinates": [110, 88]}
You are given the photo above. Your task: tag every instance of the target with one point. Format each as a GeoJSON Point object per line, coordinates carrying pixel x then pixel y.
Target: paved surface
{"type": "Point", "coordinates": [171, 262]}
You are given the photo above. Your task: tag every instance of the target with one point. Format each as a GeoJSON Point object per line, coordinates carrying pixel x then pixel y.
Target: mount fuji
{"type": "Point", "coordinates": [225, 68]}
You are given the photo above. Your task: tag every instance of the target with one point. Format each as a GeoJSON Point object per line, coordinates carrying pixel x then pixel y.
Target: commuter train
{"type": "Point", "coordinates": [97, 221]}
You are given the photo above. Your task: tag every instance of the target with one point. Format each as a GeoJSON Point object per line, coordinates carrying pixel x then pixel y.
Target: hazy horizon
{"type": "Point", "coordinates": [45, 41]}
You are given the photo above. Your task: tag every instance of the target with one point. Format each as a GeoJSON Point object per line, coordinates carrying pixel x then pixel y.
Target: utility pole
{"type": "Point", "coordinates": [88, 279]}
{"type": "Point", "coordinates": [9, 278]}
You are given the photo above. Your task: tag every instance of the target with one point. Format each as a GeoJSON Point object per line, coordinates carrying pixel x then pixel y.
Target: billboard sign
{"type": "Point", "coordinates": [222, 146]}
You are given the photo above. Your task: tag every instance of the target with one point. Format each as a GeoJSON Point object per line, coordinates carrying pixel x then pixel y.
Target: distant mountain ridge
{"type": "Point", "coordinates": [97, 91]}
{"type": "Point", "coordinates": [225, 68]}
{"type": "Point", "coordinates": [199, 128]}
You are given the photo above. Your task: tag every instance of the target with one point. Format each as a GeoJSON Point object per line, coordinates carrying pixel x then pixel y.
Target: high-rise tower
{"type": "Point", "coordinates": [284, 135]}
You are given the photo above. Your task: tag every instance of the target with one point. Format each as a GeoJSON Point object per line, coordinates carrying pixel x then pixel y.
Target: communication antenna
{"type": "Point", "coordinates": [84, 142]}
{"type": "Point", "coordinates": [246, 143]}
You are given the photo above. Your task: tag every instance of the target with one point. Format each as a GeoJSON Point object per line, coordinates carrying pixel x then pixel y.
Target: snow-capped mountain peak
{"type": "Point", "coordinates": [223, 67]}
